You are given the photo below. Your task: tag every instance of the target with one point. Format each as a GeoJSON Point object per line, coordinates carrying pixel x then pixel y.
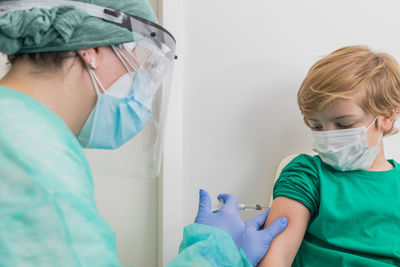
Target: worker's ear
{"type": "Point", "coordinates": [90, 57]}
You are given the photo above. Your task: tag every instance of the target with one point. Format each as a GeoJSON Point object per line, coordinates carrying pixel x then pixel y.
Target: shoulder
{"type": "Point", "coordinates": [304, 162]}
{"type": "Point", "coordinates": [300, 181]}
{"type": "Point", "coordinates": [303, 171]}
{"type": "Point", "coordinates": [17, 108]}
{"type": "Point", "coordinates": [22, 116]}
{"type": "Point", "coordinates": [37, 144]}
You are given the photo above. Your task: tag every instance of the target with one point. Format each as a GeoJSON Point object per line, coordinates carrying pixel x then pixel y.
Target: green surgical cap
{"type": "Point", "coordinates": [67, 28]}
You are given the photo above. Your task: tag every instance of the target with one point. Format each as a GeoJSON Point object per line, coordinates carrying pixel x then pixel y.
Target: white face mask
{"type": "Point", "coordinates": [346, 150]}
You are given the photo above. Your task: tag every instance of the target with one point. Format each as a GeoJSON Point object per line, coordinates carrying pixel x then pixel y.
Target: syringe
{"type": "Point", "coordinates": [242, 206]}
{"type": "Point", "coordinates": [251, 207]}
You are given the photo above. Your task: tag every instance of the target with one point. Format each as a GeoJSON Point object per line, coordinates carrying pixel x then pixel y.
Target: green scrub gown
{"type": "Point", "coordinates": [48, 216]}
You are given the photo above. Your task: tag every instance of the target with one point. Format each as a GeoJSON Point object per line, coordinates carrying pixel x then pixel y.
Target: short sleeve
{"type": "Point", "coordinates": [299, 181]}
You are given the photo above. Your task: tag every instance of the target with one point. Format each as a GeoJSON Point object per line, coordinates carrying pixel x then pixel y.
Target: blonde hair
{"type": "Point", "coordinates": [350, 70]}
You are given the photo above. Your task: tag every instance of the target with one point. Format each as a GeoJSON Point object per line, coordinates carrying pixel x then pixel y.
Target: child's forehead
{"type": "Point", "coordinates": [340, 108]}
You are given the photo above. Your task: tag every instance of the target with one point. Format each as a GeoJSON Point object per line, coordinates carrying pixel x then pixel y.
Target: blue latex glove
{"type": "Point", "coordinates": [227, 218]}
{"type": "Point", "coordinates": [248, 236]}
{"type": "Point", "coordinates": [255, 241]}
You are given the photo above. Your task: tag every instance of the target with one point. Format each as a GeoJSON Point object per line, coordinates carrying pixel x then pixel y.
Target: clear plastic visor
{"type": "Point", "coordinates": [141, 157]}
{"type": "Point", "coordinates": [147, 56]}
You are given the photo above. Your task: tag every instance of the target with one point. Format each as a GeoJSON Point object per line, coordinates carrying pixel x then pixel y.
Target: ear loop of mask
{"type": "Point", "coordinates": [381, 133]}
{"type": "Point", "coordinates": [380, 138]}
{"type": "Point", "coordinates": [124, 60]}
{"type": "Point", "coordinates": [369, 126]}
{"type": "Point", "coordinates": [123, 52]}
{"type": "Point", "coordinates": [95, 80]}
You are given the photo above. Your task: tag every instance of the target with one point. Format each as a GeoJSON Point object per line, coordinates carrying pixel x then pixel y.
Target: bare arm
{"type": "Point", "coordinates": [284, 247]}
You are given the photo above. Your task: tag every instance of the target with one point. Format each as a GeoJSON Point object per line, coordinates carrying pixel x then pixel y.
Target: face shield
{"type": "Point", "coordinates": [153, 54]}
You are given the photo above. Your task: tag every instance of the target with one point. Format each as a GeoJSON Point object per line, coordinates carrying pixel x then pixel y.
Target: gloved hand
{"type": "Point", "coordinates": [227, 218]}
{"type": "Point", "coordinates": [255, 241]}
{"type": "Point", "coordinates": [248, 236]}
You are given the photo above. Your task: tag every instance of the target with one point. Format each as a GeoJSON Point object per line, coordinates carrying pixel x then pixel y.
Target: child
{"type": "Point", "coordinates": [343, 205]}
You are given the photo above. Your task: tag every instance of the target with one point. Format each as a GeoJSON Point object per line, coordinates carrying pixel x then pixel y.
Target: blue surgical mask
{"type": "Point", "coordinates": [120, 113]}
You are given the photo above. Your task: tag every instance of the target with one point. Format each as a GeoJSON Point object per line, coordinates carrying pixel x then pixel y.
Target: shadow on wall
{"type": "Point", "coordinates": [3, 65]}
{"type": "Point", "coordinates": [241, 121]}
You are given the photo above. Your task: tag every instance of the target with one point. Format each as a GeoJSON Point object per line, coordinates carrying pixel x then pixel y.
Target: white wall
{"type": "Point", "coordinates": [243, 62]}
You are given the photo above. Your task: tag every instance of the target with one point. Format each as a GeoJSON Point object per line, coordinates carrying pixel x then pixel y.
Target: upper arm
{"type": "Point", "coordinates": [296, 195]}
{"type": "Point", "coordinates": [284, 247]}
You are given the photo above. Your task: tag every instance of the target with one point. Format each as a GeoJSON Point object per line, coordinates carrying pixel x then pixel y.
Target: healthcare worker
{"type": "Point", "coordinates": [88, 74]}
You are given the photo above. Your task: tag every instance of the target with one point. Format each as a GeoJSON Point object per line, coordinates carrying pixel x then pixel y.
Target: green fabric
{"type": "Point", "coordinates": [67, 28]}
{"type": "Point", "coordinates": [48, 215]}
{"type": "Point", "coordinates": [204, 246]}
{"type": "Point", "coordinates": [355, 218]}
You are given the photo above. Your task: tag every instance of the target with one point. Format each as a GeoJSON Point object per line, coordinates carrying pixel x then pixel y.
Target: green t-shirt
{"type": "Point", "coordinates": [355, 215]}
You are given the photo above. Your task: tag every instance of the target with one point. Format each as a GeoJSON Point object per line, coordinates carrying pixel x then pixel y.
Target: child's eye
{"type": "Point", "coordinates": [316, 127]}
{"type": "Point", "coordinates": [344, 125]}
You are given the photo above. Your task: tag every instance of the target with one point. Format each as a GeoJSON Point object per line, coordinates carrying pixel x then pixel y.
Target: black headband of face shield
{"type": "Point", "coordinates": [147, 28]}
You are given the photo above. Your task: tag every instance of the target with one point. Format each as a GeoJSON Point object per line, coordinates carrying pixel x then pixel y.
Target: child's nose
{"type": "Point", "coordinates": [329, 127]}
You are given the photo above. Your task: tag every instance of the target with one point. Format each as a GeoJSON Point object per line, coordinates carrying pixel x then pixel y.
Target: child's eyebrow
{"type": "Point", "coordinates": [344, 117]}
{"type": "Point", "coordinates": [336, 118]}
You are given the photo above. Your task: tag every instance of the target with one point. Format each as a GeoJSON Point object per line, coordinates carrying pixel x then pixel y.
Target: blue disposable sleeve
{"type": "Point", "coordinates": [203, 245]}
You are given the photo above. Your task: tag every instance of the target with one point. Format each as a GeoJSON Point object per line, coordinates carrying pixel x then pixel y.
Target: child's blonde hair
{"type": "Point", "coordinates": [350, 70]}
